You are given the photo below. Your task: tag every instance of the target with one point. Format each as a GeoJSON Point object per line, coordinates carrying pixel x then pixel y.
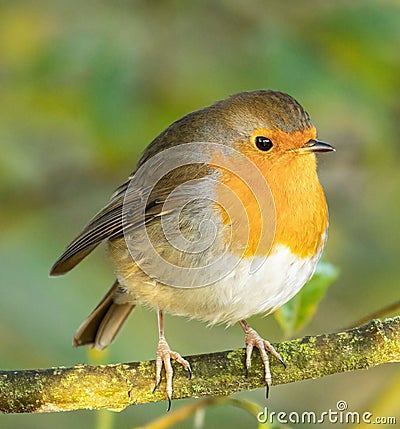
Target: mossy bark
{"type": "Point", "coordinates": [118, 386]}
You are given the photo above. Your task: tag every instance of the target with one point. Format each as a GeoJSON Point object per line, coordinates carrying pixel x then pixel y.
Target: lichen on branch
{"type": "Point", "coordinates": [120, 385]}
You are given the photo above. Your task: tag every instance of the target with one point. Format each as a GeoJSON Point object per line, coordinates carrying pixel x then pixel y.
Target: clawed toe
{"type": "Point", "coordinates": [164, 356]}
{"type": "Point", "coordinates": [253, 339]}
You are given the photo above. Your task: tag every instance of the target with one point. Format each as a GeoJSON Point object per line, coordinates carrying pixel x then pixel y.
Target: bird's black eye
{"type": "Point", "coordinates": [263, 143]}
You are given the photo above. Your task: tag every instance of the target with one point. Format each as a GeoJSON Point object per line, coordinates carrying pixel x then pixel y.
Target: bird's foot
{"type": "Point", "coordinates": [253, 339]}
{"type": "Point", "coordinates": [164, 356]}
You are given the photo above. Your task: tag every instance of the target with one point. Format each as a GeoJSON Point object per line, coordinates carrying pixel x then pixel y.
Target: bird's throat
{"type": "Point", "coordinates": [292, 212]}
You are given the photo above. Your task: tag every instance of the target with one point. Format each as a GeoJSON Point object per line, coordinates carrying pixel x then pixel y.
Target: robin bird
{"type": "Point", "coordinates": [224, 218]}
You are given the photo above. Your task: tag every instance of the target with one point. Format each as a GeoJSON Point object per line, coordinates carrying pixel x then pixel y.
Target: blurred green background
{"type": "Point", "coordinates": [85, 86]}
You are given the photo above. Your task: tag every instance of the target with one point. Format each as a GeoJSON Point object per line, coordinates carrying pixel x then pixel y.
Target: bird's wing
{"type": "Point", "coordinates": [107, 223]}
{"type": "Point", "coordinates": [129, 207]}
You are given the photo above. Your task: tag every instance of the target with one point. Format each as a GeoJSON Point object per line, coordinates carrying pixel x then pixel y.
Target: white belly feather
{"type": "Point", "coordinates": [239, 295]}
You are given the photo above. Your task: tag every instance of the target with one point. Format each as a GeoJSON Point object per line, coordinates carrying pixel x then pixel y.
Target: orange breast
{"type": "Point", "coordinates": [297, 217]}
{"type": "Point", "coordinates": [301, 210]}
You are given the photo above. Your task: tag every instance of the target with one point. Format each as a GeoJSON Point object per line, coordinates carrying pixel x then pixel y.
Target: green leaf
{"type": "Point", "coordinates": [297, 312]}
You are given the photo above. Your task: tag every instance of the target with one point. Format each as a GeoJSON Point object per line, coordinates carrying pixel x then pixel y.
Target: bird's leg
{"type": "Point", "coordinates": [164, 356]}
{"type": "Point", "coordinates": [254, 339]}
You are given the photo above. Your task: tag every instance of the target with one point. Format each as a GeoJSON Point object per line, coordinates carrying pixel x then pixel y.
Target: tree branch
{"type": "Point", "coordinates": [118, 386]}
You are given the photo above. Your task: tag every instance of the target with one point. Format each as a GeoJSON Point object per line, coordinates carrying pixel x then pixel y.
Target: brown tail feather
{"type": "Point", "coordinates": [104, 323]}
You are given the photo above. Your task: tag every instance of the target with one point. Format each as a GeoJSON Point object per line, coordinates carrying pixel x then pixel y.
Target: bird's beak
{"type": "Point", "coordinates": [316, 146]}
